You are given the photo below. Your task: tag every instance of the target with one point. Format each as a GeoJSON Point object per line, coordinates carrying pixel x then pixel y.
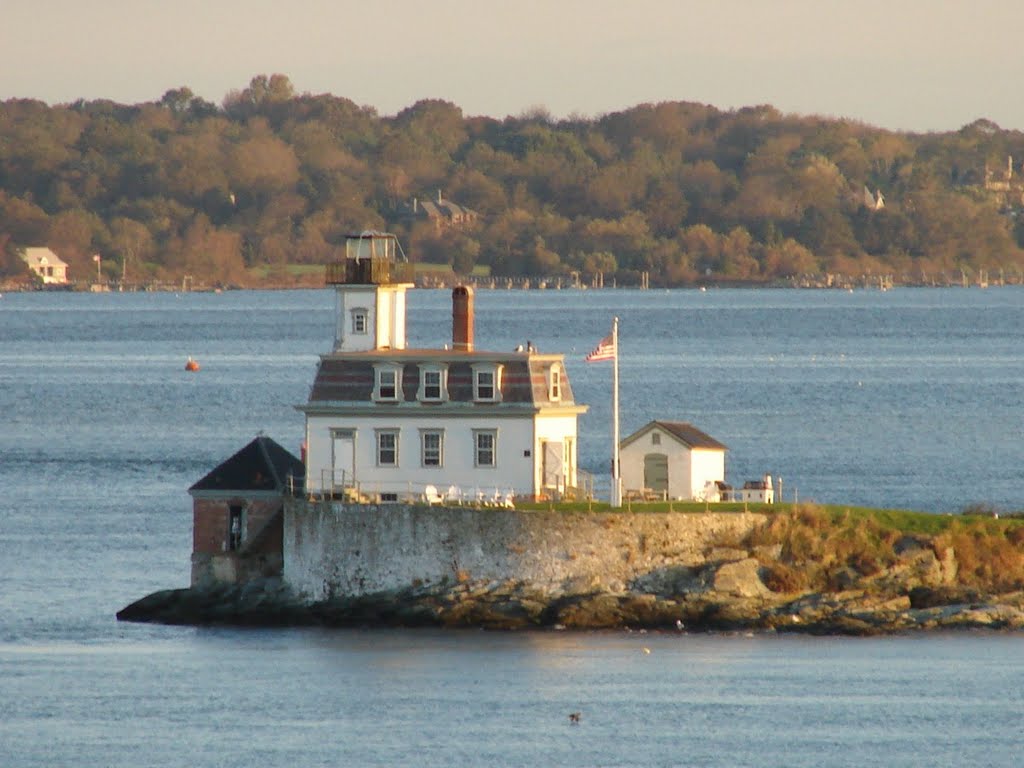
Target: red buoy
{"type": "Point", "coordinates": [191, 365]}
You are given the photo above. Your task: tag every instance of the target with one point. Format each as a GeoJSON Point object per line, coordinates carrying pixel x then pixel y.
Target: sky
{"type": "Point", "coordinates": [906, 65]}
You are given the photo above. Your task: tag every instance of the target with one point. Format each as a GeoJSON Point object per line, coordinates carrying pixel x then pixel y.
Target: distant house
{"type": "Point", "coordinates": [673, 460]}
{"type": "Point", "coordinates": [999, 182]}
{"type": "Point", "coordinates": [237, 514]}
{"type": "Point", "coordinates": [46, 264]}
{"type": "Point", "coordinates": [440, 212]}
{"type": "Point", "coordinates": [875, 202]}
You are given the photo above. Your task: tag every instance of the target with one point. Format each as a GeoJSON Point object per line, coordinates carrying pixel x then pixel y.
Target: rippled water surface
{"type": "Point", "coordinates": [907, 398]}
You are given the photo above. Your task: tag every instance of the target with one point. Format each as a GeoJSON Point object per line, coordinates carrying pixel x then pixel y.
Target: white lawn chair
{"type": "Point", "coordinates": [431, 496]}
{"type": "Point", "coordinates": [453, 495]}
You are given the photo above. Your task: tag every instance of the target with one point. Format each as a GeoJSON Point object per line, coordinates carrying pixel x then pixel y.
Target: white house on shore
{"type": "Point", "coordinates": [46, 265]}
{"type": "Point", "coordinates": [672, 460]}
{"type": "Point", "coordinates": [389, 422]}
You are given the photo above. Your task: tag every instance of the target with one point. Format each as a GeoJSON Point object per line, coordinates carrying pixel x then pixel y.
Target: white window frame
{"type": "Point", "coordinates": [441, 372]}
{"type": "Point", "coordinates": [478, 434]}
{"type": "Point", "coordinates": [380, 437]}
{"type": "Point", "coordinates": [382, 372]}
{"type": "Point", "coordinates": [495, 372]}
{"type": "Point", "coordinates": [360, 321]}
{"type": "Point", "coordinates": [555, 383]}
{"type": "Point", "coordinates": [424, 435]}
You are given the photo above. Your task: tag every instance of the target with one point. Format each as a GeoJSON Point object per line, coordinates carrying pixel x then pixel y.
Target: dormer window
{"type": "Point", "coordinates": [433, 384]}
{"type": "Point", "coordinates": [359, 321]}
{"type": "Point", "coordinates": [388, 383]}
{"type": "Point", "coordinates": [555, 383]}
{"type": "Point", "coordinates": [487, 383]}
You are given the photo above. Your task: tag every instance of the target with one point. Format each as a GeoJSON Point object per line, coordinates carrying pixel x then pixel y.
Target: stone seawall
{"type": "Point", "coordinates": [395, 565]}
{"type": "Point", "coordinates": [334, 549]}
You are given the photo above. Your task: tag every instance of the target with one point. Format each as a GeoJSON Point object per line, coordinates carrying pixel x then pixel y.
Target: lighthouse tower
{"type": "Point", "coordinates": [371, 283]}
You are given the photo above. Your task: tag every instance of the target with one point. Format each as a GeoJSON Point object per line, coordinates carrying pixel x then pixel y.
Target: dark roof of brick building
{"type": "Point", "coordinates": [262, 465]}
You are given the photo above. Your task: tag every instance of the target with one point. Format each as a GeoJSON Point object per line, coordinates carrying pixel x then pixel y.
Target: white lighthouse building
{"type": "Point", "coordinates": [390, 422]}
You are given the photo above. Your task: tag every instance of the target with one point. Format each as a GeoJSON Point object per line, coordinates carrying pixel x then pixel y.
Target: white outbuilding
{"type": "Point", "coordinates": [672, 460]}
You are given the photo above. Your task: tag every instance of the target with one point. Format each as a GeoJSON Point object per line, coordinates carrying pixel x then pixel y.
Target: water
{"type": "Point", "coordinates": [906, 398]}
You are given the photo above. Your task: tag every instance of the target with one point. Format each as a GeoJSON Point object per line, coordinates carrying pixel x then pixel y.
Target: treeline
{"type": "Point", "coordinates": [269, 179]}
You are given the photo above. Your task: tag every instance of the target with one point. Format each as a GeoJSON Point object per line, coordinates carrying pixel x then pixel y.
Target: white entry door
{"type": "Point", "coordinates": [344, 458]}
{"type": "Point", "coordinates": [554, 465]}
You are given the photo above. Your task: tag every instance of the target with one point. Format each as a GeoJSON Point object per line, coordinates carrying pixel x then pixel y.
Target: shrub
{"type": "Point", "coordinates": [817, 545]}
{"type": "Point", "coordinates": [989, 554]}
{"type": "Point", "coordinates": [780, 577]}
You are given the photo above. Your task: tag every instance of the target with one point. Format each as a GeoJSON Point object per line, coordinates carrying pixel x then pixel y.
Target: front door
{"type": "Point", "coordinates": [656, 472]}
{"type": "Point", "coordinates": [344, 459]}
{"type": "Point", "coordinates": [554, 465]}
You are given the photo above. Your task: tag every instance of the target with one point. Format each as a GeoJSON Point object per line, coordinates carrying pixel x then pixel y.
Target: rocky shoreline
{"type": "Point", "coordinates": [802, 570]}
{"type": "Point", "coordinates": [726, 594]}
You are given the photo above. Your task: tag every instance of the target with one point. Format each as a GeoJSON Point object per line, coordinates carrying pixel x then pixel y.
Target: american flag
{"type": "Point", "coordinates": [605, 350]}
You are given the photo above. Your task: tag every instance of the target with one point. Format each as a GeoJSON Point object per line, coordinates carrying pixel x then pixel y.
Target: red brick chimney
{"type": "Point", "coordinates": [462, 318]}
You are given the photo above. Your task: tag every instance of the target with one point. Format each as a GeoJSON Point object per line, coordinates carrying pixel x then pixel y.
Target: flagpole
{"type": "Point", "coordinates": [616, 479]}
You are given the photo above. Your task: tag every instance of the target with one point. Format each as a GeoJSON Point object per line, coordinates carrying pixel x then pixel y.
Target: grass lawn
{"type": "Point", "coordinates": [902, 520]}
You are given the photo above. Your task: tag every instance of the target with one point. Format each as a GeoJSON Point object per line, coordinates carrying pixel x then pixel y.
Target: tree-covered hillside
{"type": "Point", "coordinates": [684, 191]}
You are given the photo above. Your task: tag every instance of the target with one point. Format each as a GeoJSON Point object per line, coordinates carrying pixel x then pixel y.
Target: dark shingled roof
{"type": "Point", "coordinates": [350, 378]}
{"type": "Point", "coordinates": [681, 430]}
{"type": "Point", "coordinates": [262, 465]}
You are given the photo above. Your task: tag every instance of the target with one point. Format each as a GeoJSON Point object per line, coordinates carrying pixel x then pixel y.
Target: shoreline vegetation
{"type": "Point", "coordinates": [270, 181]}
{"type": "Point", "coordinates": [799, 569]}
{"type": "Point", "coordinates": [307, 279]}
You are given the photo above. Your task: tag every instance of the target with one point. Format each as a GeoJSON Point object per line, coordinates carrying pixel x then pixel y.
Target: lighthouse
{"type": "Point", "coordinates": [387, 421]}
{"type": "Point", "coordinates": [370, 293]}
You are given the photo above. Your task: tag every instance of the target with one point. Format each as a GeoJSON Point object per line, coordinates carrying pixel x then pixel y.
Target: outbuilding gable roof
{"type": "Point", "coordinates": [262, 465]}
{"type": "Point", "coordinates": [685, 433]}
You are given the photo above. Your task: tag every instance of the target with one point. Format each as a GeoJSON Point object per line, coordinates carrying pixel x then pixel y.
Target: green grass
{"type": "Point", "coordinates": [691, 507]}
{"type": "Point", "coordinates": [901, 520]}
{"type": "Point", "coordinates": [261, 271]}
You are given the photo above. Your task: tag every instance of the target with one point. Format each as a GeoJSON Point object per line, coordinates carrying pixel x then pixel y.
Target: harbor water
{"type": "Point", "coordinates": [906, 398]}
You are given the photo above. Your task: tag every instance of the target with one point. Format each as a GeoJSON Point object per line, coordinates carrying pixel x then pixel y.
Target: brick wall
{"type": "Point", "coordinates": [260, 550]}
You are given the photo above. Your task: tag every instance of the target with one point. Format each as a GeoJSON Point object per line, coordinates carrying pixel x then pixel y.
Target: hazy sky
{"type": "Point", "coordinates": [902, 64]}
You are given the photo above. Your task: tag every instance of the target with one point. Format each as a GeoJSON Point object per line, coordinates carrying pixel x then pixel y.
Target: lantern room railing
{"type": "Point", "coordinates": [370, 271]}
{"type": "Point", "coordinates": [371, 258]}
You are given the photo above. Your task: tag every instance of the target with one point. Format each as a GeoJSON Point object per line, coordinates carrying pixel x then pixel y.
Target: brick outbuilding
{"type": "Point", "coordinates": [238, 514]}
